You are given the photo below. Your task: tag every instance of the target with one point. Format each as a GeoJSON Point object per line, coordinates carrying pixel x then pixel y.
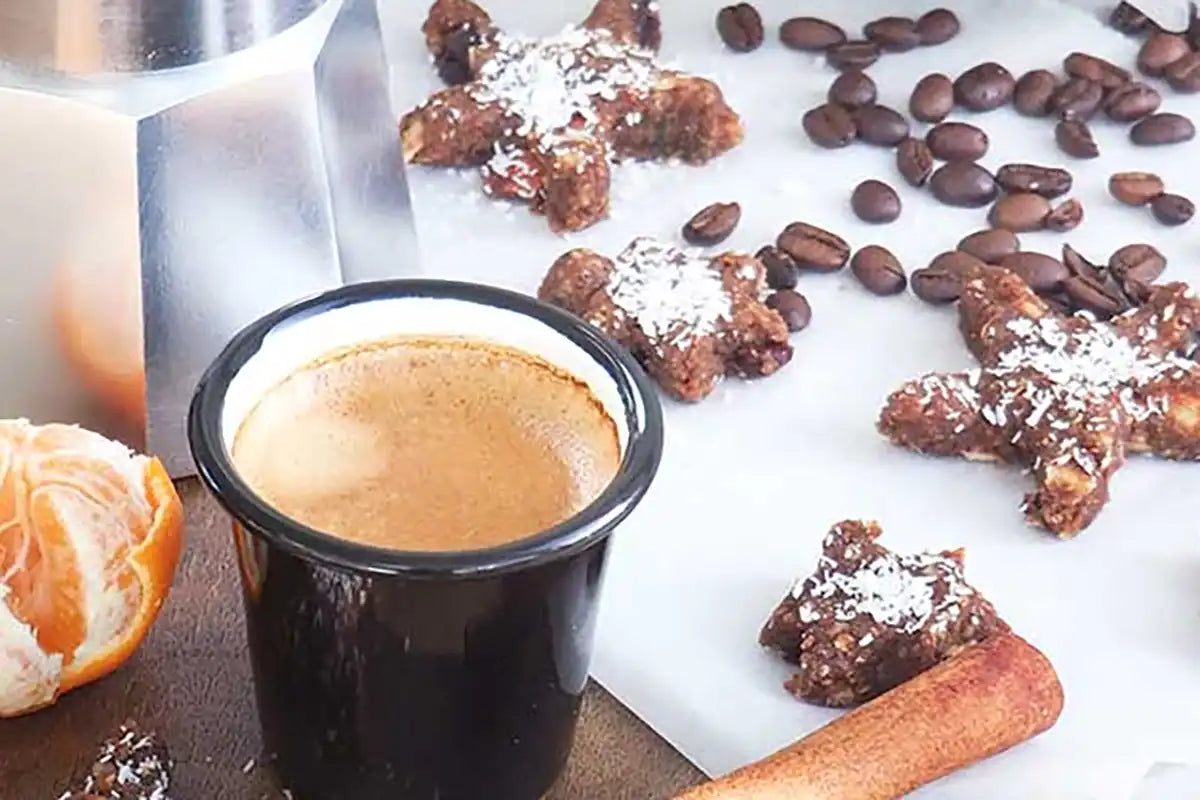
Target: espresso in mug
{"type": "Point", "coordinates": [434, 443]}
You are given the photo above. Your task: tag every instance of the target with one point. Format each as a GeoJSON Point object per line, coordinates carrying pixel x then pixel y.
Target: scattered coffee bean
{"type": "Point", "coordinates": [830, 126]}
{"type": "Point", "coordinates": [1172, 209]}
{"type": "Point", "coordinates": [914, 161]}
{"type": "Point", "coordinates": [740, 27]}
{"type": "Point", "coordinates": [854, 54]}
{"type": "Point", "coordinates": [893, 34]}
{"type": "Point", "coordinates": [1159, 50]}
{"type": "Point", "coordinates": [932, 98]}
{"type": "Point", "coordinates": [956, 141]}
{"type": "Point", "coordinates": [1074, 138]}
{"type": "Point", "coordinates": [942, 281]}
{"type": "Point", "coordinates": [880, 125]}
{"type": "Point", "coordinates": [1135, 188]}
{"type": "Point", "coordinates": [1163, 128]}
{"type": "Point", "coordinates": [813, 248]}
{"type": "Point", "coordinates": [793, 307]}
{"type": "Point", "coordinates": [1066, 216]}
{"type": "Point", "coordinates": [712, 224]}
{"type": "Point", "coordinates": [1097, 70]}
{"type": "Point", "coordinates": [1020, 212]}
{"type": "Point", "coordinates": [1078, 98]}
{"type": "Point", "coordinates": [810, 34]}
{"type": "Point", "coordinates": [852, 88]}
{"type": "Point", "coordinates": [937, 26]}
{"type": "Point", "coordinates": [1043, 273]}
{"type": "Point", "coordinates": [1137, 262]}
{"type": "Point", "coordinates": [1033, 92]}
{"type": "Point", "coordinates": [1193, 31]}
{"type": "Point", "coordinates": [1184, 75]}
{"type": "Point", "coordinates": [780, 268]}
{"type": "Point", "coordinates": [1131, 102]}
{"type": "Point", "coordinates": [1049, 182]}
{"type": "Point", "coordinates": [990, 245]}
{"type": "Point", "coordinates": [984, 87]}
{"type": "Point", "coordinates": [1128, 19]}
{"type": "Point", "coordinates": [1096, 296]}
{"type": "Point", "coordinates": [878, 270]}
{"type": "Point", "coordinates": [964, 184]}
{"type": "Point", "coordinates": [1079, 266]}
{"type": "Point", "coordinates": [875, 201]}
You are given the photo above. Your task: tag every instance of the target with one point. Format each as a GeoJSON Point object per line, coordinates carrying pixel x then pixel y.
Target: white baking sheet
{"type": "Point", "coordinates": [754, 476]}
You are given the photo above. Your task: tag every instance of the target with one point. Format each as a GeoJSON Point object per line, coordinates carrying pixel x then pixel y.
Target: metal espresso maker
{"type": "Point", "coordinates": [170, 170]}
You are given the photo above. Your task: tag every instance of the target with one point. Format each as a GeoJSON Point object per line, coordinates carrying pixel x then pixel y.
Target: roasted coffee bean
{"type": "Point", "coordinates": [984, 87]}
{"type": "Point", "coordinates": [1079, 266]}
{"type": "Point", "coordinates": [956, 141]}
{"type": "Point", "coordinates": [937, 26]}
{"type": "Point", "coordinates": [1137, 262]}
{"type": "Point", "coordinates": [1184, 75]}
{"type": "Point", "coordinates": [1172, 209]}
{"type": "Point", "coordinates": [1074, 138]}
{"type": "Point", "coordinates": [1163, 128]}
{"type": "Point", "coordinates": [830, 126]}
{"type": "Point", "coordinates": [963, 183]}
{"type": "Point", "coordinates": [878, 270]}
{"type": "Point", "coordinates": [990, 245]}
{"type": "Point", "coordinates": [942, 281]}
{"type": "Point", "coordinates": [932, 98]}
{"type": "Point", "coordinates": [1097, 70]}
{"type": "Point", "coordinates": [1066, 216]}
{"type": "Point", "coordinates": [914, 161]}
{"type": "Point", "coordinates": [1159, 50]}
{"type": "Point", "coordinates": [793, 307]}
{"type": "Point", "coordinates": [854, 54]}
{"type": "Point", "coordinates": [810, 34]}
{"type": "Point", "coordinates": [852, 88]}
{"type": "Point", "coordinates": [880, 125]}
{"type": "Point", "coordinates": [875, 201]}
{"type": "Point", "coordinates": [1043, 273]}
{"type": "Point", "coordinates": [712, 223]}
{"type": "Point", "coordinates": [1128, 19]}
{"type": "Point", "coordinates": [813, 248]}
{"type": "Point", "coordinates": [1020, 212]}
{"type": "Point", "coordinates": [1131, 102]}
{"type": "Point", "coordinates": [893, 34]}
{"type": "Point", "coordinates": [1049, 182]}
{"type": "Point", "coordinates": [1095, 296]}
{"type": "Point", "coordinates": [1033, 92]}
{"type": "Point", "coordinates": [740, 27]}
{"type": "Point", "coordinates": [1078, 98]}
{"type": "Point", "coordinates": [936, 286]}
{"type": "Point", "coordinates": [780, 268]}
{"type": "Point", "coordinates": [1135, 188]}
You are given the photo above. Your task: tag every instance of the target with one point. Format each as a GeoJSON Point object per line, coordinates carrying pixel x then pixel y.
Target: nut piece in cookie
{"type": "Point", "coordinates": [545, 118]}
{"type": "Point", "coordinates": [688, 318]}
{"type": "Point", "coordinates": [1067, 397]}
{"type": "Point", "coordinates": [869, 619]}
{"type": "Point", "coordinates": [131, 765]}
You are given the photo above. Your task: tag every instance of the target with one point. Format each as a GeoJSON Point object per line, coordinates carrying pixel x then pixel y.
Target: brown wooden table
{"type": "Point", "coordinates": [191, 681]}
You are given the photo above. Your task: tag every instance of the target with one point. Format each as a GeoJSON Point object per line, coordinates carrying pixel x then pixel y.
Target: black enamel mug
{"type": "Point", "coordinates": [431, 676]}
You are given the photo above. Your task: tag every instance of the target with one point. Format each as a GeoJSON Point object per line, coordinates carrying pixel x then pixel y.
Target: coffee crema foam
{"type": "Point", "coordinates": [428, 444]}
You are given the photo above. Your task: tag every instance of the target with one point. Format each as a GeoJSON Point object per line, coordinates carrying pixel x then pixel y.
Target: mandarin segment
{"type": "Point", "coordinates": [90, 534]}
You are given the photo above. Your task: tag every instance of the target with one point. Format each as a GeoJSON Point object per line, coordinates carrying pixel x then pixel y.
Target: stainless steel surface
{"type": "Point", "coordinates": [150, 216]}
{"type": "Point", "coordinates": [91, 36]}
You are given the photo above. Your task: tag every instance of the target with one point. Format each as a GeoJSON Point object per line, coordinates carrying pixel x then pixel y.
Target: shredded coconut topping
{"type": "Point", "coordinates": [675, 295]}
{"type": "Point", "coordinates": [552, 84]}
{"type": "Point", "coordinates": [906, 592]}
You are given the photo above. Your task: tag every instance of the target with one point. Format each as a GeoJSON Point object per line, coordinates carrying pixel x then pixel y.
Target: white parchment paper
{"type": "Point", "coordinates": [754, 476]}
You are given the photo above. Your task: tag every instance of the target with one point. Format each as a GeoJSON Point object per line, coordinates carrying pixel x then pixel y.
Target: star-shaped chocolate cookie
{"type": "Point", "coordinates": [689, 318]}
{"type": "Point", "coordinates": [545, 118]}
{"type": "Point", "coordinates": [1066, 396]}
